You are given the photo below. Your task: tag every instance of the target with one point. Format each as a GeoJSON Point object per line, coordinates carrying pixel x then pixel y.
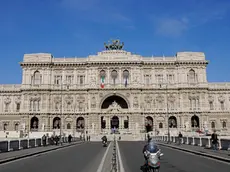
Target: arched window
{"type": "Point", "coordinates": [37, 78]}
{"type": "Point", "coordinates": [16, 127]}
{"type": "Point", "coordinates": [5, 126]}
{"type": "Point", "coordinates": [172, 122]}
{"type": "Point", "coordinates": [191, 76]}
{"type": "Point", "coordinates": [224, 125]}
{"type": "Point", "coordinates": [34, 123]}
{"type": "Point", "coordinates": [213, 125]}
{"type": "Point", "coordinates": [114, 76]}
{"type": "Point", "coordinates": [222, 105]}
{"type": "Point", "coordinates": [68, 126]}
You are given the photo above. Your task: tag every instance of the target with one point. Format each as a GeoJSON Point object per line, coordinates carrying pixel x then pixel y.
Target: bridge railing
{"type": "Point", "coordinates": [224, 144]}
{"type": "Point", "coordinates": [18, 144]}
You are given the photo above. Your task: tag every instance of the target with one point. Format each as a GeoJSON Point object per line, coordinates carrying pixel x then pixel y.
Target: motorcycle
{"type": "Point", "coordinates": [153, 160]}
{"type": "Point", "coordinates": [104, 144]}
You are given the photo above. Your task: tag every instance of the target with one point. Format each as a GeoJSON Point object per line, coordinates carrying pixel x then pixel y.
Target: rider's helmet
{"type": "Point", "coordinates": [152, 146]}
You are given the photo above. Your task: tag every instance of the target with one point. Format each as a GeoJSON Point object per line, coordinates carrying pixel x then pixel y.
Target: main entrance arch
{"type": "Point", "coordinates": [114, 98]}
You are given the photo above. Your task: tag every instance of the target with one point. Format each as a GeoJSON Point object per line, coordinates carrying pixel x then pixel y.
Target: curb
{"type": "Point", "coordinates": [197, 153]}
{"type": "Point", "coordinates": [36, 153]}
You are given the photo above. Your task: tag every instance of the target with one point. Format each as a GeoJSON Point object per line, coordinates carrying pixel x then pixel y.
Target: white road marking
{"type": "Point", "coordinates": [119, 158]}
{"type": "Point", "coordinates": [103, 159]}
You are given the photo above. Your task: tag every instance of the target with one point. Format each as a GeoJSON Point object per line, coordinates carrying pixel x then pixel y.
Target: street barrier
{"type": "Point", "coordinates": [224, 144]}
{"type": "Point", "coordinates": [18, 144]}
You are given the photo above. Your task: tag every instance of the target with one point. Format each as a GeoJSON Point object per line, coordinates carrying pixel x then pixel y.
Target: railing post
{"type": "Point", "coordinates": [200, 142]}
{"type": "Point", "coordinates": [187, 141]}
{"type": "Point", "coordinates": [209, 143]}
{"type": "Point", "coordinates": [9, 146]}
{"type": "Point", "coordinates": [19, 144]}
{"type": "Point", "coordinates": [28, 143]}
{"type": "Point", "coordinates": [193, 141]}
{"type": "Point", "coordinates": [220, 147]}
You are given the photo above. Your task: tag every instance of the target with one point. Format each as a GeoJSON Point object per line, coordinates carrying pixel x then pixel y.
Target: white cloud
{"type": "Point", "coordinates": [171, 27]}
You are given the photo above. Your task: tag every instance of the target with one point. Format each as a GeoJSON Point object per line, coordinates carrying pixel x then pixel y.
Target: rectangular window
{"type": "Point", "coordinates": [147, 79]}
{"type": "Point", "coordinates": [81, 79]}
{"type": "Point", "coordinates": [170, 78]}
{"type": "Point", "coordinates": [69, 79]}
{"type": "Point", "coordinates": [211, 105]}
{"type": "Point", "coordinates": [17, 107]}
{"type": "Point", "coordinates": [222, 105]}
{"type": "Point", "coordinates": [57, 80]}
{"type": "Point", "coordinates": [159, 78]}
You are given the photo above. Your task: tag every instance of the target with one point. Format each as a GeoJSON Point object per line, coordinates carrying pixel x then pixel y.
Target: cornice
{"type": "Point", "coordinates": [112, 63]}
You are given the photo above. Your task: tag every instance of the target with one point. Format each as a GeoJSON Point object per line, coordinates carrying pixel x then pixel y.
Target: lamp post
{"type": "Point", "coordinates": [61, 130]}
{"type": "Point", "coordinates": [167, 113]}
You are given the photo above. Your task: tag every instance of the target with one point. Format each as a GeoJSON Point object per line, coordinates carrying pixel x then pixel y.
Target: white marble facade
{"type": "Point", "coordinates": [138, 93]}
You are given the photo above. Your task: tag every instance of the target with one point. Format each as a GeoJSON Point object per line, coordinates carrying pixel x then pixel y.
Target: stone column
{"type": "Point", "coordinates": [121, 121]}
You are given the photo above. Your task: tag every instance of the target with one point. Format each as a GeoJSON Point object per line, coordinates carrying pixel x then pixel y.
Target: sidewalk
{"type": "Point", "coordinates": [198, 149]}
{"type": "Point", "coordinates": [9, 156]}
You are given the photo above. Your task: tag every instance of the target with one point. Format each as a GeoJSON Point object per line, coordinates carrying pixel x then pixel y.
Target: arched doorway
{"type": "Point", "coordinates": [80, 123]}
{"type": "Point", "coordinates": [115, 122]}
{"type": "Point", "coordinates": [195, 122]}
{"type": "Point", "coordinates": [34, 123]}
{"type": "Point", "coordinates": [148, 124]}
{"type": "Point", "coordinates": [172, 122]}
{"type": "Point", "coordinates": [119, 100]}
{"type": "Point", "coordinates": [56, 123]}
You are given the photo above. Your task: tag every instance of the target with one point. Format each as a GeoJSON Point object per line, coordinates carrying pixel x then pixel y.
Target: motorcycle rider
{"type": "Point", "coordinates": [104, 139]}
{"type": "Point", "coordinates": [151, 147]}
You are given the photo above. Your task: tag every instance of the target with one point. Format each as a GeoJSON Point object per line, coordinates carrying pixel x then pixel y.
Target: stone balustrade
{"type": "Point", "coordinates": [224, 144]}
{"type": "Point", "coordinates": [19, 144]}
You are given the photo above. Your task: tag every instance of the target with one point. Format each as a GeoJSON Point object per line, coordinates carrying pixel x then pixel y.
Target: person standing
{"type": "Point", "coordinates": [214, 139]}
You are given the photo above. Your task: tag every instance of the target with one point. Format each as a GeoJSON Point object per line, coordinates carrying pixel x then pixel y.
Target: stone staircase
{"type": "Point", "coordinates": [123, 137]}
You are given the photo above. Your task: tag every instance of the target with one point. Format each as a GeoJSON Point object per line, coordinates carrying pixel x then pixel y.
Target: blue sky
{"type": "Point", "coordinates": [80, 27]}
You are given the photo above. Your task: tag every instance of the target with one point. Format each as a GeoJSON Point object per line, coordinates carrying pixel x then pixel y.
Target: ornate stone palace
{"type": "Point", "coordinates": [114, 90]}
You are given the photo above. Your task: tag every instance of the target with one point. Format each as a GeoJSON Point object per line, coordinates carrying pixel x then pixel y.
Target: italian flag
{"type": "Point", "coordinates": [102, 81]}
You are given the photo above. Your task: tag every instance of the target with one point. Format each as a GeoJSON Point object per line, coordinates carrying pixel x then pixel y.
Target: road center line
{"type": "Point", "coordinates": [103, 159]}
{"type": "Point", "coordinates": [121, 167]}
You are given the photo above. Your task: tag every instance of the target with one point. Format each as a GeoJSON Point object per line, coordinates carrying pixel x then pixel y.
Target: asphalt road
{"type": "Point", "coordinates": [80, 158]}
{"type": "Point", "coordinates": [172, 161]}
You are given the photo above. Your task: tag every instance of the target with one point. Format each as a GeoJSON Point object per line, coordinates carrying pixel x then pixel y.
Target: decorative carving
{"type": "Point", "coordinates": [210, 98]}
{"type": "Point", "coordinates": [135, 102]}
{"type": "Point", "coordinates": [114, 105]}
{"type": "Point", "coordinates": [18, 100]}
{"type": "Point", "coordinates": [160, 101]}
{"type": "Point", "coordinates": [93, 102]}
{"type": "Point", "coordinates": [127, 94]}
{"type": "Point", "coordinates": [69, 99]}
{"type": "Point", "coordinates": [148, 101]}
{"type": "Point", "coordinates": [92, 80]}
{"type": "Point", "coordinates": [115, 45]}
{"type": "Point", "coordinates": [69, 102]}
{"type": "Point", "coordinates": [221, 99]}
{"type": "Point", "coordinates": [57, 99]}
{"type": "Point", "coordinates": [7, 100]}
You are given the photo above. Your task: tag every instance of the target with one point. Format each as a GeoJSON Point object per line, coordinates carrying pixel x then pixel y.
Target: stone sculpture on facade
{"type": "Point", "coordinates": [115, 45]}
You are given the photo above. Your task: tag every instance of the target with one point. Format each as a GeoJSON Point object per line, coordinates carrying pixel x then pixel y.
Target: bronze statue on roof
{"type": "Point", "coordinates": [115, 45]}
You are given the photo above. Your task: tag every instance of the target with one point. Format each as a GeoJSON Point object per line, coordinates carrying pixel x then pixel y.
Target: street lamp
{"type": "Point", "coordinates": [167, 113]}
{"type": "Point", "coordinates": [61, 130]}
